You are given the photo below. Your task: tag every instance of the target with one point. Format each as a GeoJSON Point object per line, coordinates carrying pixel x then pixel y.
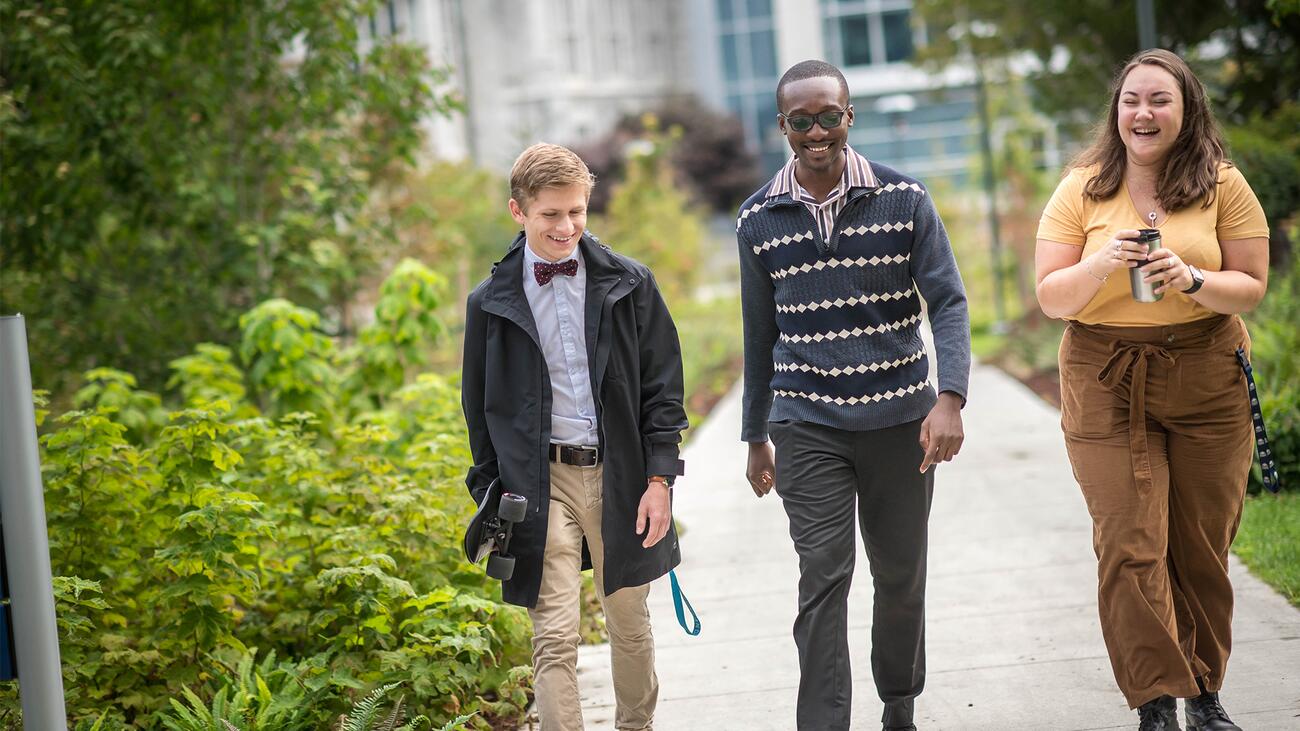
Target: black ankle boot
{"type": "Point", "coordinates": [1160, 714]}
{"type": "Point", "coordinates": [1203, 713]}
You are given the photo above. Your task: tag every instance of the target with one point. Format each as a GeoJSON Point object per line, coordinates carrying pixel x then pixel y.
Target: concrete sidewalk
{"type": "Point", "coordinates": [1012, 629]}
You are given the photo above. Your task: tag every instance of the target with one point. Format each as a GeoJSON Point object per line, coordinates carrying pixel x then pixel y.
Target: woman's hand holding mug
{"type": "Point", "coordinates": [1164, 265]}
{"type": "Point", "coordinates": [1120, 252]}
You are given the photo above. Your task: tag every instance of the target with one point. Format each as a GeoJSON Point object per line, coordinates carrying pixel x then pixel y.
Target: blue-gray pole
{"type": "Point", "coordinates": [1146, 13]}
{"type": "Point", "coordinates": [1000, 324]}
{"type": "Point", "coordinates": [27, 547]}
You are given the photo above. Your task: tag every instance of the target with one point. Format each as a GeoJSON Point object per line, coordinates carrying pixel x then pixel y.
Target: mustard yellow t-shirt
{"type": "Point", "coordinates": [1193, 233]}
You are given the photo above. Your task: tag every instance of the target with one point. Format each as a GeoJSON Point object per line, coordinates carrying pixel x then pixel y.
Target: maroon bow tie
{"type": "Point", "coordinates": [544, 271]}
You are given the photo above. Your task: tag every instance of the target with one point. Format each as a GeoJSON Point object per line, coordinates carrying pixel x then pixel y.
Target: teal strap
{"type": "Point", "coordinates": [678, 600]}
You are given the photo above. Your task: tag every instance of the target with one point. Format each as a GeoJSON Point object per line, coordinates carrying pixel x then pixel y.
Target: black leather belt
{"type": "Point", "coordinates": [576, 456]}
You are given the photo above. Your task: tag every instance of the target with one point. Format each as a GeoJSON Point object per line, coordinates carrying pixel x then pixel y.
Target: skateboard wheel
{"type": "Point", "coordinates": [513, 508]}
{"type": "Point", "coordinates": [500, 567]}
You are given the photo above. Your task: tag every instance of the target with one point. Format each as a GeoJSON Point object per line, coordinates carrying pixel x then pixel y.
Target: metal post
{"type": "Point", "coordinates": [27, 548]}
{"type": "Point", "coordinates": [1146, 13]}
{"type": "Point", "coordinates": [991, 192]}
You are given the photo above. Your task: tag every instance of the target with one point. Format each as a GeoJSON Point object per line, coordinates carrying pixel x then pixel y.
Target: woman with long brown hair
{"type": "Point", "coordinates": [1155, 408]}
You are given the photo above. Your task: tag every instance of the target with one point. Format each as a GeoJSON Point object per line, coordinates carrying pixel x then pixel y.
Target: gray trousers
{"type": "Point", "coordinates": [826, 477]}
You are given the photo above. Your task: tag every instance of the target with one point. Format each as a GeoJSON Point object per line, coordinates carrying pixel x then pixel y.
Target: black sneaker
{"type": "Point", "coordinates": [1160, 714]}
{"type": "Point", "coordinates": [1203, 713]}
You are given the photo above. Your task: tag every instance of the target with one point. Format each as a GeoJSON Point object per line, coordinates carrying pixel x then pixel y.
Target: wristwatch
{"type": "Point", "coordinates": [659, 478]}
{"type": "Point", "coordinates": [1198, 280]}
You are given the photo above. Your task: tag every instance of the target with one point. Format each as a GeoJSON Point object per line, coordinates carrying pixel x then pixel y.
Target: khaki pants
{"type": "Point", "coordinates": [1157, 424]}
{"type": "Point", "coordinates": [575, 513]}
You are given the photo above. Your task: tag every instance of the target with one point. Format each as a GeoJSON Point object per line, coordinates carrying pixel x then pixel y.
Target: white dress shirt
{"type": "Point", "coordinates": [559, 312]}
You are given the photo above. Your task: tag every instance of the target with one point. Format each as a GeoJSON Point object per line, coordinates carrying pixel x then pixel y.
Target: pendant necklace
{"type": "Point", "coordinates": [1152, 216]}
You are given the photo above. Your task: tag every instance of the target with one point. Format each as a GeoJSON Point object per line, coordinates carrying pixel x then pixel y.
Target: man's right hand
{"type": "Point", "coordinates": [761, 470]}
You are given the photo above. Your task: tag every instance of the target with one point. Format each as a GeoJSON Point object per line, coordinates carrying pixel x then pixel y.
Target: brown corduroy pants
{"type": "Point", "coordinates": [1158, 428]}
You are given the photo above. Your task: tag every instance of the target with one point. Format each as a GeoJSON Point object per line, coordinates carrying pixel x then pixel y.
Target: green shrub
{"type": "Point", "coordinates": [1275, 357]}
{"type": "Point", "coordinates": [291, 512]}
{"type": "Point", "coordinates": [366, 715]}
{"type": "Point", "coordinates": [712, 351]}
{"type": "Point", "coordinates": [652, 220]}
{"type": "Point", "coordinates": [1272, 169]}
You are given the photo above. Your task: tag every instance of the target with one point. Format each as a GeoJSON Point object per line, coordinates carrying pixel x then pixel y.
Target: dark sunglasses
{"type": "Point", "coordinates": [804, 122]}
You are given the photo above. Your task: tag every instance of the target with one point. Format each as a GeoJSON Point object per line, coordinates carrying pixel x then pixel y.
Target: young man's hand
{"type": "Point", "coordinates": [941, 432]}
{"type": "Point", "coordinates": [761, 470]}
{"type": "Point", "coordinates": [655, 512]}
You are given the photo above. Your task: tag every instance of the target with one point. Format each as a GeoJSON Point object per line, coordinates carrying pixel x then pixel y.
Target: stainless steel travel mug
{"type": "Point", "coordinates": [1144, 291]}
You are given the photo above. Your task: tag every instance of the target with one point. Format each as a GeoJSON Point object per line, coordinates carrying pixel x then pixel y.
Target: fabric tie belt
{"type": "Point", "coordinates": [1132, 359]}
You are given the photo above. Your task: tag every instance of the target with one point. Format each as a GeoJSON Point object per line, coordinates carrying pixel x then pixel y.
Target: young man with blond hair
{"type": "Point", "coordinates": [572, 390]}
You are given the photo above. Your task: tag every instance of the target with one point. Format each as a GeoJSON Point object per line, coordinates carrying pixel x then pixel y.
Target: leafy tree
{"type": "Point", "coordinates": [652, 220]}
{"type": "Point", "coordinates": [1267, 150]}
{"type": "Point", "coordinates": [454, 217]}
{"type": "Point", "coordinates": [713, 163]}
{"type": "Point", "coordinates": [1078, 46]}
{"type": "Point", "coordinates": [168, 165]}
{"type": "Point", "coordinates": [1245, 51]}
{"type": "Point", "coordinates": [711, 157]}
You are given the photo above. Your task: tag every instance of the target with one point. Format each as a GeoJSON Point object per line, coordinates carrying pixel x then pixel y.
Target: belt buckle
{"type": "Point", "coordinates": [576, 456]}
{"type": "Point", "coordinates": [584, 456]}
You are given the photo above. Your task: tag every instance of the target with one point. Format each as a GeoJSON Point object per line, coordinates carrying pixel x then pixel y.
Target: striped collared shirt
{"type": "Point", "coordinates": [857, 174]}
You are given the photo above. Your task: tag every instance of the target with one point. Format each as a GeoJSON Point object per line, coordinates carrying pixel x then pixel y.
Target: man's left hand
{"type": "Point", "coordinates": [655, 513]}
{"type": "Point", "coordinates": [941, 432]}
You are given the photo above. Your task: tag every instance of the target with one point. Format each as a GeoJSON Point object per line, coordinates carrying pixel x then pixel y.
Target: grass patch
{"type": "Point", "coordinates": [984, 343]}
{"type": "Point", "coordinates": [1269, 541]}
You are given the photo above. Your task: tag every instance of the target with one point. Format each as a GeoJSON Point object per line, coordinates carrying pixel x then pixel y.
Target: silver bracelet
{"type": "Point", "coordinates": [1088, 268]}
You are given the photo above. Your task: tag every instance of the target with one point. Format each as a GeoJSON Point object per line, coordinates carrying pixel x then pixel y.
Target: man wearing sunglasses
{"type": "Point", "coordinates": [836, 253]}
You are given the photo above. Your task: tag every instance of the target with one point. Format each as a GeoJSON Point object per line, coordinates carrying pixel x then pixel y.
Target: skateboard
{"type": "Point", "coordinates": [490, 529]}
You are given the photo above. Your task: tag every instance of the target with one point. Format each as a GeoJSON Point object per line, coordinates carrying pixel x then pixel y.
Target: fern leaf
{"type": "Point", "coordinates": [395, 717]}
{"type": "Point", "coordinates": [457, 722]}
{"type": "Point", "coordinates": [420, 721]}
{"type": "Point", "coordinates": [362, 716]}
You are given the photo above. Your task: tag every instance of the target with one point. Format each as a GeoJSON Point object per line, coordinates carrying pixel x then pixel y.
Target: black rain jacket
{"type": "Point", "coordinates": [636, 376]}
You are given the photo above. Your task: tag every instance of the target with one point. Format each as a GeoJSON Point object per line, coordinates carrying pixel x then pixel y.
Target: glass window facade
{"type": "Point", "coordinates": [935, 138]}
{"type": "Point", "coordinates": [750, 71]}
{"type": "Point", "coordinates": [762, 49]}
{"type": "Point", "coordinates": [868, 32]}
{"type": "Point", "coordinates": [855, 39]}
{"type": "Point", "coordinates": [935, 133]}
{"type": "Point", "coordinates": [897, 27]}
{"type": "Point", "coordinates": [730, 57]}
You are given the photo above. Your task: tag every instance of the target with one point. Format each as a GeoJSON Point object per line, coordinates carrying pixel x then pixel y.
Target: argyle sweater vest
{"type": "Point", "coordinates": [833, 328]}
